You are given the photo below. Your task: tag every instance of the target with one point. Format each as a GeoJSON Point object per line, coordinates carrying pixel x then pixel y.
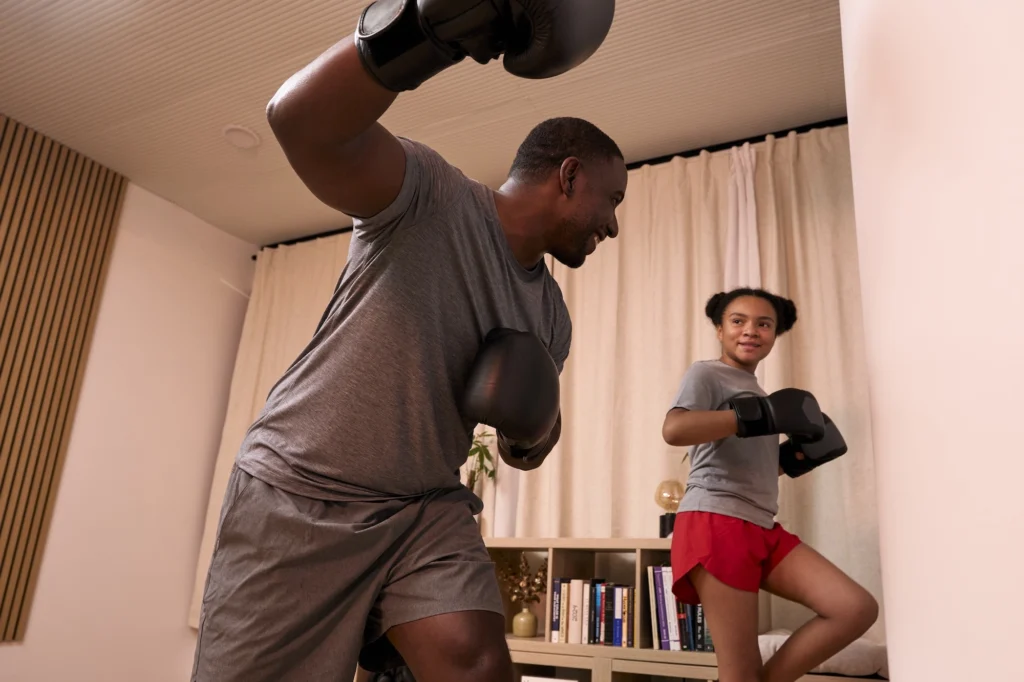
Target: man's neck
{"type": "Point", "coordinates": [523, 218]}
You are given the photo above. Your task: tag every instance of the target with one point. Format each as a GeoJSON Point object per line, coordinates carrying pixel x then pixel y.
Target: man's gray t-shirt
{"type": "Point", "coordinates": [733, 476]}
{"type": "Point", "coordinates": [369, 409]}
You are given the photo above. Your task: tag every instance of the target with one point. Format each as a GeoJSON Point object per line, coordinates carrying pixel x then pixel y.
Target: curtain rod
{"type": "Point", "coordinates": [629, 166]}
{"type": "Point", "coordinates": [721, 146]}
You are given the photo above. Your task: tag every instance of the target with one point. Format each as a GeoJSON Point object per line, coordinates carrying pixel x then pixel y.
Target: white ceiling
{"type": "Point", "coordinates": [146, 87]}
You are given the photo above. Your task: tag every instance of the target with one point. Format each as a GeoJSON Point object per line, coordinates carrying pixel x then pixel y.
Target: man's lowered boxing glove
{"type": "Point", "coordinates": [402, 43]}
{"type": "Point", "coordinates": [789, 410]}
{"type": "Point", "coordinates": [815, 452]}
{"type": "Point", "coordinates": [513, 387]}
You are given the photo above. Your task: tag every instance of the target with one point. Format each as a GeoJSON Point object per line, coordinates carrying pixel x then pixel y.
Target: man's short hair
{"type": "Point", "coordinates": [556, 139]}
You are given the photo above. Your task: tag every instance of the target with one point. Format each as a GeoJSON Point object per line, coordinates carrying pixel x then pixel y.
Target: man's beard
{"type": "Point", "coordinates": [572, 250]}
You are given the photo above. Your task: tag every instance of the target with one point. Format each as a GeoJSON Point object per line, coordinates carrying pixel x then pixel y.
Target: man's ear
{"type": "Point", "coordinates": [568, 175]}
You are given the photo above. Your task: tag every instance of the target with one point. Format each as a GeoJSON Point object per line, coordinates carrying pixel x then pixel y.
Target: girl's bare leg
{"type": "Point", "coordinates": [731, 615]}
{"type": "Point", "coordinates": [844, 609]}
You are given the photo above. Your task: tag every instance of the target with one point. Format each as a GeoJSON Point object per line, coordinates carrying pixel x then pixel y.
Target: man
{"type": "Point", "coordinates": [346, 534]}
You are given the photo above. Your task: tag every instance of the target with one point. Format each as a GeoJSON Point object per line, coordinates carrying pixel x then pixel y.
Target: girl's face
{"type": "Point", "coordinates": [747, 332]}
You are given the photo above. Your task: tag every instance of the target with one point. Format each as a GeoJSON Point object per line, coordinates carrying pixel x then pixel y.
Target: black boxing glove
{"type": "Point", "coordinates": [402, 43]}
{"type": "Point", "coordinates": [789, 410]}
{"type": "Point", "coordinates": [816, 452]}
{"type": "Point", "coordinates": [513, 387]}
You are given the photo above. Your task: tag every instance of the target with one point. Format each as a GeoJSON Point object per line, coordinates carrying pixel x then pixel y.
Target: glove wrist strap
{"type": "Point", "coordinates": [396, 50]}
{"type": "Point", "coordinates": [751, 418]}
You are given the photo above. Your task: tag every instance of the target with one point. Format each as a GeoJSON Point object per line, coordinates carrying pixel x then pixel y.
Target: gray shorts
{"type": "Point", "coordinates": [302, 589]}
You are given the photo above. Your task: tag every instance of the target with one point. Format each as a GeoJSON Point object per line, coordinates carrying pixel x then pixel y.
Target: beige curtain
{"type": "Point", "coordinates": [633, 307]}
{"type": "Point", "coordinates": [638, 315]}
{"type": "Point", "coordinates": [291, 288]}
{"type": "Point", "coordinates": [809, 252]}
{"type": "Point", "coordinates": [689, 228]}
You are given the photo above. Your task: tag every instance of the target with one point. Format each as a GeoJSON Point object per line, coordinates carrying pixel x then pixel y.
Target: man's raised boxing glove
{"type": "Point", "coordinates": [513, 387]}
{"type": "Point", "coordinates": [402, 43]}
{"type": "Point", "coordinates": [789, 410]}
{"type": "Point", "coordinates": [815, 451]}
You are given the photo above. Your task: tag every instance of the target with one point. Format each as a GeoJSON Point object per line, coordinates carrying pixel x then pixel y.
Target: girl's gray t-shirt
{"type": "Point", "coordinates": [737, 477]}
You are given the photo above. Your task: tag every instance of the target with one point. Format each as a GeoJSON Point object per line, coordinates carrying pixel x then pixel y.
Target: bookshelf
{"type": "Point", "coordinates": [622, 561]}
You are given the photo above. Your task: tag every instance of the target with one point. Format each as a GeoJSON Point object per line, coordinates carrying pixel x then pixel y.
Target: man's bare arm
{"type": "Point", "coordinates": [325, 119]}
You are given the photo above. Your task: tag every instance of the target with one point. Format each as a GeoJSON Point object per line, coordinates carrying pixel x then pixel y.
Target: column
{"type": "Point", "coordinates": [936, 105]}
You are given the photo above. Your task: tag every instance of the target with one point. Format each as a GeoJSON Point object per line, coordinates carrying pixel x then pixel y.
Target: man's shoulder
{"type": "Point", "coordinates": [561, 321]}
{"type": "Point", "coordinates": [553, 289]}
{"type": "Point", "coordinates": [431, 159]}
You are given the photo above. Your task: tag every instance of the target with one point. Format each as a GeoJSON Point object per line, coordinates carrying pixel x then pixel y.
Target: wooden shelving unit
{"type": "Point", "coordinates": [623, 561]}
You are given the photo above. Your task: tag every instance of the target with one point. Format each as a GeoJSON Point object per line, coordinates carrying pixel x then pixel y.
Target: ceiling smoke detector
{"type": "Point", "coordinates": [241, 137]}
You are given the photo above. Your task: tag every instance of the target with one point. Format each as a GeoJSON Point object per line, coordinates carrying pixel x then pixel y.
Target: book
{"type": "Point", "coordinates": [575, 634]}
{"type": "Point", "coordinates": [556, 609]}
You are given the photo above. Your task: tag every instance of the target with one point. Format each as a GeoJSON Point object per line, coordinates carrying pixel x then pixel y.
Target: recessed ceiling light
{"type": "Point", "coordinates": [241, 137]}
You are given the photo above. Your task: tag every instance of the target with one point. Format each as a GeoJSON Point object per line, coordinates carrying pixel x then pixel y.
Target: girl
{"type": "Point", "coordinates": [726, 545]}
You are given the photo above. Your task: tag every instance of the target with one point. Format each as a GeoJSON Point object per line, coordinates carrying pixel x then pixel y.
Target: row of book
{"type": "Point", "coordinates": [592, 611]}
{"type": "Point", "coordinates": [675, 626]}
{"type": "Point", "coordinates": [596, 611]}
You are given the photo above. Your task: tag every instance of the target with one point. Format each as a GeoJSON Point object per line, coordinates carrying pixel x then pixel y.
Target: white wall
{"type": "Point", "coordinates": [116, 578]}
{"type": "Point", "coordinates": [935, 107]}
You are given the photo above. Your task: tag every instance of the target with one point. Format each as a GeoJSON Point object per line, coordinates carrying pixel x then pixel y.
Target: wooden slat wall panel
{"type": "Point", "coordinates": [58, 214]}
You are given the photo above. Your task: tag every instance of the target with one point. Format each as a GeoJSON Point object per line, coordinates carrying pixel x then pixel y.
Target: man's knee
{"type": "Point", "coordinates": [477, 656]}
{"type": "Point", "coordinates": [466, 646]}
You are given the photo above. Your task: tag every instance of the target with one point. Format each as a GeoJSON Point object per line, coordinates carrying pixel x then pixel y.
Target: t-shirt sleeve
{"type": "Point", "coordinates": [561, 339]}
{"type": "Point", "coordinates": [430, 183]}
{"type": "Point", "coordinates": [699, 390]}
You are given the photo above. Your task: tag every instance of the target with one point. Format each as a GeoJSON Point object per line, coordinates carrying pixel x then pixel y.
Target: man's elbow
{"type": "Point", "coordinates": [277, 115]}
{"type": "Point", "coordinates": [288, 114]}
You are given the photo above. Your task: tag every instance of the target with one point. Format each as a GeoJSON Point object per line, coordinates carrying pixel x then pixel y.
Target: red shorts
{"type": "Point", "coordinates": [739, 553]}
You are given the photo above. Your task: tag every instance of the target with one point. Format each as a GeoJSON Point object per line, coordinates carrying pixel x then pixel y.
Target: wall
{"type": "Point", "coordinates": [937, 150]}
{"type": "Point", "coordinates": [113, 592]}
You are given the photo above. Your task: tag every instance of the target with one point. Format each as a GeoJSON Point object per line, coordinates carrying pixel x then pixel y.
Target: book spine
{"type": "Point", "coordinates": [556, 608]}
{"type": "Point", "coordinates": [659, 592]}
{"type": "Point", "coordinates": [609, 614]}
{"type": "Point", "coordinates": [684, 625]}
{"type": "Point", "coordinates": [670, 608]}
{"type": "Point", "coordinates": [588, 588]}
{"type": "Point", "coordinates": [631, 613]}
{"type": "Point", "coordinates": [691, 623]}
{"type": "Point", "coordinates": [617, 634]}
{"type": "Point", "coordinates": [575, 635]}
{"type": "Point", "coordinates": [563, 633]}
{"type": "Point", "coordinates": [699, 634]}
{"type": "Point", "coordinates": [709, 643]}
{"type": "Point", "coordinates": [653, 602]}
